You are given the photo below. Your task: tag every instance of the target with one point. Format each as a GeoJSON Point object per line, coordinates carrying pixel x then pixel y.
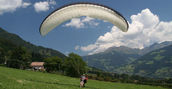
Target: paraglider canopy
{"type": "Point", "coordinates": [68, 12]}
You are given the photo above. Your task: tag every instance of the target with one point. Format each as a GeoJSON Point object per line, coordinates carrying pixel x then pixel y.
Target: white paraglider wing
{"type": "Point", "coordinates": [82, 9]}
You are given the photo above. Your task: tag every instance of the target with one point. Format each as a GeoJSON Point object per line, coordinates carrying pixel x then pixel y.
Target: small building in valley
{"type": "Point", "coordinates": [37, 65]}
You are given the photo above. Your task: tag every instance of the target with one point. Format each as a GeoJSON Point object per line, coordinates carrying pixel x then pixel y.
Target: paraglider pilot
{"type": "Point", "coordinates": [83, 79]}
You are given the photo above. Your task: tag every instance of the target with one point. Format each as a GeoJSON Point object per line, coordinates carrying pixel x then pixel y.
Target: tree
{"type": "Point", "coordinates": [37, 57]}
{"type": "Point", "coordinates": [53, 64]}
{"type": "Point", "coordinates": [20, 58]}
{"type": "Point", "coordinates": [74, 65]}
{"type": "Point", "coordinates": [2, 56]}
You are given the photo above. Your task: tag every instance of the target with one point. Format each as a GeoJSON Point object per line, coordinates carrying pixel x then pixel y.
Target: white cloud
{"type": "Point", "coordinates": [89, 47]}
{"type": "Point", "coordinates": [144, 30]}
{"type": "Point", "coordinates": [11, 5]}
{"type": "Point", "coordinates": [87, 19]}
{"type": "Point", "coordinates": [81, 22]}
{"type": "Point", "coordinates": [52, 2]}
{"type": "Point", "coordinates": [77, 47]}
{"type": "Point", "coordinates": [75, 22]}
{"type": "Point", "coordinates": [41, 6]}
{"type": "Point", "coordinates": [44, 5]}
{"type": "Point", "coordinates": [26, 4]}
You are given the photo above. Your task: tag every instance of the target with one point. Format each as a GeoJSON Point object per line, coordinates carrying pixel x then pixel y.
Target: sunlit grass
{"type": "Point", "coordinates": [20, 79]}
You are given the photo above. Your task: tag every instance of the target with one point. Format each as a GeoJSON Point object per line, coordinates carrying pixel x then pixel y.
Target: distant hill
{"type": "Point", "coordinates": [154, 47]}
{"type": "Point", "coordinates": [157, 63]}
{"type": "Point", "coordinates": [6, 45]}
{"type": "Point", "coordinates": [115, 57]}
{"type": "Point", "coordinates": [17, 41]}
{"type": "Point", "coordinates": [112, 58]}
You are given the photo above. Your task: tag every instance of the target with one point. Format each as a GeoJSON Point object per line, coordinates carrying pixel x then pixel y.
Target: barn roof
{"type": "Point", "coordinates": [37, 63]}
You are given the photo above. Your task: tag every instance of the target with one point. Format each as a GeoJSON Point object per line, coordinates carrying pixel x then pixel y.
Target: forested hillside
{"type": "Point", "coordinates": [36, 50]}
{"type": "Point", "coordinates": [157, 64]}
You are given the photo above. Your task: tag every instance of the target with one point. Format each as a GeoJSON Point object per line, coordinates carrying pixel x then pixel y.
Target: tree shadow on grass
{"type": "Point", "coordinates": [57, 83]}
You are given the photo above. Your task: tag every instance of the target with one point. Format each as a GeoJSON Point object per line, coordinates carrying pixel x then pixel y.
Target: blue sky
{"type": "Point", "coordinates": [150, 22]}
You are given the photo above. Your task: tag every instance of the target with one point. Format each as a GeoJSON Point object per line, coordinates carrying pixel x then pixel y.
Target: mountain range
{"type": "Point", "coordinates": [112, 58]}
{"type": "Point", "coordinates": [157, 63]}
{"type": "Point", "coordinates": [122, 59]}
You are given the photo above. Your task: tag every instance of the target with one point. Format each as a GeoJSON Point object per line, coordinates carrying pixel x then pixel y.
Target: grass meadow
{"type": "Point", "coordinates": [22, 79]}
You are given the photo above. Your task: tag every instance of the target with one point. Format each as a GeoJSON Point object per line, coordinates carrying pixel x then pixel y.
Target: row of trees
{"type": "Point", "coordinates": [18, 58]}
{"type": "Point", "coordinates": [73, 65]}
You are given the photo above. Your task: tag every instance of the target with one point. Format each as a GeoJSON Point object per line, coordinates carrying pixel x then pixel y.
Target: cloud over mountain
{"type": "Point", "coordinates": [145, 29]}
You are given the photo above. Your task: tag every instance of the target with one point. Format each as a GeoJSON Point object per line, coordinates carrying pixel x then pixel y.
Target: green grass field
{"type": "Point", "coordinates": [21, 79]}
